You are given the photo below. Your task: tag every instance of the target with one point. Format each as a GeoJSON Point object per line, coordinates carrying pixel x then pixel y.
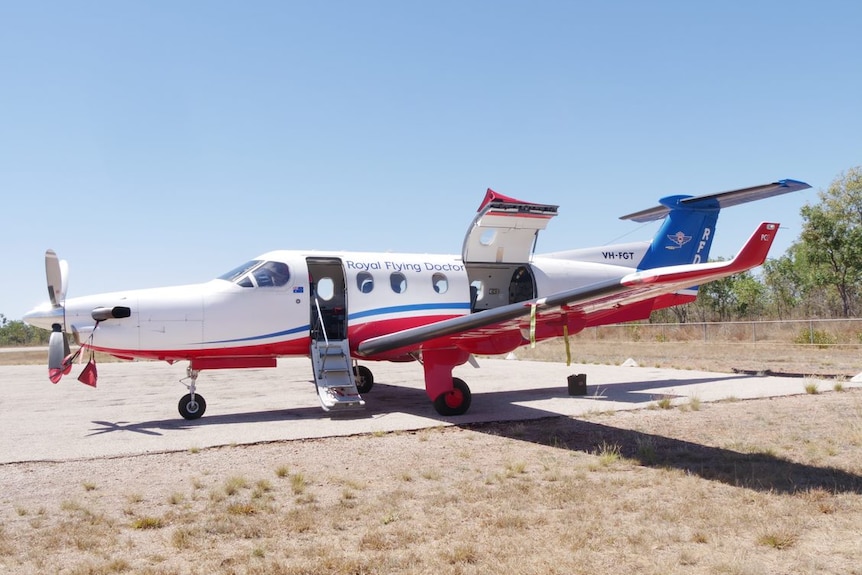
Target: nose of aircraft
{"type": "Point", "coordinates": [44, 316]}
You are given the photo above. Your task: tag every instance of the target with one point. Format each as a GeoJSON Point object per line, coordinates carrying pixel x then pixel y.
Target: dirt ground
{"type": "Point", "coordinates": [739, 487]}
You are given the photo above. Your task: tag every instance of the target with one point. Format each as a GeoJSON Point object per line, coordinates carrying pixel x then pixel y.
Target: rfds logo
{"type": "Point", "coordinates": [679, 239]}
{"type": "Point", "coordinates": [704, 240]}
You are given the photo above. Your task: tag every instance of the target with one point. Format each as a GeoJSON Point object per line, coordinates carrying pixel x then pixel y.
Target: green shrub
{"type": "Point", "coordinates": [817, 337]}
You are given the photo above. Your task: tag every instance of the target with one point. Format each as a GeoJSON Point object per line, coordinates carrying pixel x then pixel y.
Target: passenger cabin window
{"type": "Point", "coordinates": [258, 273]}
{"type": "Point", "coordinates": [487, 237]}
{"type": "Point", "coordinates": [365, 282]}
{"type": "Point", "coordinates": [398, 282]}
{"type": "Point", "coordinates": [440, 283]}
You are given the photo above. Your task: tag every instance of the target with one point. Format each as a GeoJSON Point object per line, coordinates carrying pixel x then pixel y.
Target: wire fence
{"type": "Point", "coordinates": [815, 332]}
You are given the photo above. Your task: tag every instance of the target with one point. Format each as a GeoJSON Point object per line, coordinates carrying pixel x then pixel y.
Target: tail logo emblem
{"type": "Point", "coordinates": [679, 238]}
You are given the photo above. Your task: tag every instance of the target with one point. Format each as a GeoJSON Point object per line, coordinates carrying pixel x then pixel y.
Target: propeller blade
{"type": "Point", "coordinates": [56, 272]}
{"type": "Point", "coordinates": [57, 346]}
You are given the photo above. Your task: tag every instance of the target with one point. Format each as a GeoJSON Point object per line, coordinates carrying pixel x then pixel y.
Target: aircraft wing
{"type": "Point", "coordinates": [607, 295]}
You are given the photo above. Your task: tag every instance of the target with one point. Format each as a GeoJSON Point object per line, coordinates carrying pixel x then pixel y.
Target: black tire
{"type": "Point", "coordinates": [364, 379]}
{"type": "Point", "coordinates": [192, 410]}
{"type": "Point", "coordinates": [455, 402]}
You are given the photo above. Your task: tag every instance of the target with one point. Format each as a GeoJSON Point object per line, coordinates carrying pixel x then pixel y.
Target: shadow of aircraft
{"type": "Point", "coordinates": [501, 413]}
{"type": "Point", "coordinates": [156, 427]}
{"type": "Point", "coordinates": [755, 471]}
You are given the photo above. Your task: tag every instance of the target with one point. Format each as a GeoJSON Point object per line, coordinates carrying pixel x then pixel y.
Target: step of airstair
{"type": "Point", "coordinates": [333, 376]}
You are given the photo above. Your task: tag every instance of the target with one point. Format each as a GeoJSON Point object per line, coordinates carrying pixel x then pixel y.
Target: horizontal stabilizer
{"type": "Point", "coordinates": [724, 199]}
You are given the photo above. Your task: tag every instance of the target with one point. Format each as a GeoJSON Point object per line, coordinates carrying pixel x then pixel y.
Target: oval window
{"type": "Point", "coordinates": [325, 288]}
{"type": "Point", "coordinates": [398, 282]}
{"type": "Point", "coordinates": [365, 282]}
{"type": "Point", "coordinates": [487, 237]}
{"type": "Point", "coordinates": [441, 284]}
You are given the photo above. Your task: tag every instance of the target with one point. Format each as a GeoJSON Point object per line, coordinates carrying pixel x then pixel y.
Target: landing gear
{"type": "Point", "coordinates": [364, 378]}
{"type": "Point", "coordinates": [193, 405]}
{"type": "Point", "coordinates": [455, 402]}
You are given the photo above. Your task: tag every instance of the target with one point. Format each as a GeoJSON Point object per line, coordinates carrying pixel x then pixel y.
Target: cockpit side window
{"type": "Point", "coordinates": [271, 274]}
{"type": "Point", "coordinates": [257, 273]}
{"type": "Point", "coordinates": [239, 271]}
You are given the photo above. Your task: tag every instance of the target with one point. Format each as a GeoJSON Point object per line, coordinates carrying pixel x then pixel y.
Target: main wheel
{"type": "Point", "coordinates": [455, 402]}
{"type": "Point", "coordinates": [192, 409]}
{"type": "Point", "coordinates": [364, 378]}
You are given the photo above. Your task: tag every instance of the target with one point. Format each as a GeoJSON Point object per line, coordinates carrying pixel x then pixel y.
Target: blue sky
{"type": "Point", "coordinates": [160, 143]}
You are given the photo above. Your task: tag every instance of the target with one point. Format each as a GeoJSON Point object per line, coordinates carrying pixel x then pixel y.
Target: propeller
{"type": "Point", "coordinates": [56, 272]}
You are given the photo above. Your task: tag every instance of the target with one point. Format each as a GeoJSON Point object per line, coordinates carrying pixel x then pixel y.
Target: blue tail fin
{"type": "Point", "coordinates": [689, 226]}
{"type": "Point", "coordinates": [686, 234]}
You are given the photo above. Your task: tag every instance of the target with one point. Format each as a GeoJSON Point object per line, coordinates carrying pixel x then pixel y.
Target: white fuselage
{"type": "Point", "coordinates": [375, 294]}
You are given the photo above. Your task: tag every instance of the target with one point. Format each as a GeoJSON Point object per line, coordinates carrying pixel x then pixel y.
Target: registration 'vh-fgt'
{"type": "Point", "coordinates": [346, 309]}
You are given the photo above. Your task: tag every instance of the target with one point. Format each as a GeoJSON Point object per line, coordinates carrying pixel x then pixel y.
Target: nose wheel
{"type": "Point", "coordinates": [193, 405]}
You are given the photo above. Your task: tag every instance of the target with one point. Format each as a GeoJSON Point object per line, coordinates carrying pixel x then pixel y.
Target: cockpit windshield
{"type": "Point", "coordinates": [258, 273]}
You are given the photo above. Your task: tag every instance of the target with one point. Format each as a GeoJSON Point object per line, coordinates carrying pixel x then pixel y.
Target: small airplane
{"type": "Point", "coordinates": [342, 307]}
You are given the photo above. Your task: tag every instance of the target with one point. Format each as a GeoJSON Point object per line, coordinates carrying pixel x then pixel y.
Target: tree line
{"type": "Point", "coordinates": [817, 277]}
{"type": "Point", "coordinates": [17, 333]}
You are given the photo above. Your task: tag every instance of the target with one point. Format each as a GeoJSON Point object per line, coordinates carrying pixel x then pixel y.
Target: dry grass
{"type": "Point", "coordinates": [732, 487]}
{"type": "Point", "coordinates": [739, 487]}
{"type": "Point", "coordinates": [37, 356]}
{"type": "Point", "coordinates": [840, 362]}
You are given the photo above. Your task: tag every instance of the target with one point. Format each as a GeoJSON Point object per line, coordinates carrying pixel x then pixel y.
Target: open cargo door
{"type": "Point", "coordinates": [505, 230]}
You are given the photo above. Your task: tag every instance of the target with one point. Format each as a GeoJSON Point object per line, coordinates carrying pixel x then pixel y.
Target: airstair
{"type": "Point", "coordinates": [333, 376]}
{"type": "Point", "coordinates": [333, 372]}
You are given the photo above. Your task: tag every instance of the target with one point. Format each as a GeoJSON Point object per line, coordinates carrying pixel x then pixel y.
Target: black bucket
{"type": "Point", "coordinates": [578, 384]}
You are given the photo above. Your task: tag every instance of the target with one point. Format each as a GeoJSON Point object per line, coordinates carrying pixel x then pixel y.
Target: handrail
{"type": "Point", "coordinates": [320, 319]}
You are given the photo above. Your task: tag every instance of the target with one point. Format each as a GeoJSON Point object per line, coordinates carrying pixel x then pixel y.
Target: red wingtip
{"type": "Point", "coordinates": [754, 252]}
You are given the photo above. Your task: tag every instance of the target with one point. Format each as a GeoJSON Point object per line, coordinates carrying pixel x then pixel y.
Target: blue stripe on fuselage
{"type": "Point", "coordinates": [358, 315]}
{"type": "Point", "coordinates": [300, 329]}
{"type": "Point", "coordinates": [406, 308]}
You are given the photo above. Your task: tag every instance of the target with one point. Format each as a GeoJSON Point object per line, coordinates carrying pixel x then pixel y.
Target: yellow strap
{"type": "Point", "coordinates": [532, 325]}
{"type": "Point", "coordinates": [568, 349]}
